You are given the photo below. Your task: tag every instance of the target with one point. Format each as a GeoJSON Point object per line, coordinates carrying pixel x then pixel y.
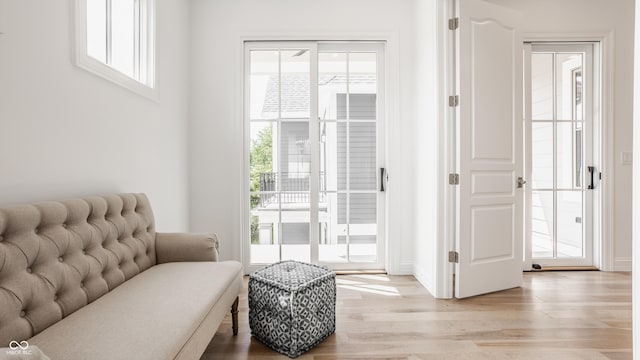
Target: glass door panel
{"type": "Point", "coordinates": [541, 86]}
{"type": "Point", "coordinates": [570, 243]}
{"type": "Point", "coordinates": [279, 154]}
{"type": "Point", "coordinates": [542, 224]}
{"type": "Point", "coordinates": [347, 89]}
{"type": "Point", "coordinates": [560, 138]}
{"type": "Point", "coordinates": [542, 159]}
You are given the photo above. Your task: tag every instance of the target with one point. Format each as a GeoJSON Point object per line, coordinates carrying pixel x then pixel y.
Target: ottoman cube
{"type": "Point", "coordinates": [292, 306]}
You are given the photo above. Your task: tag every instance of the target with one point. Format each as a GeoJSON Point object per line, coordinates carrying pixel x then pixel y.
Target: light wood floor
{"type": "Point", "coordinates": [555, 315]}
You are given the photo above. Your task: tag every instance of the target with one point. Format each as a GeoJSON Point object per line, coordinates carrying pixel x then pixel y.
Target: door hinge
{"type": "Point", "coordinates": [454, 257]}
{"type": "Point", "coordinates": [454, 23]}
{"type": "Point", "coordinates": [454, 179]}
{"type": "Point", "coordinates": [454, 100]}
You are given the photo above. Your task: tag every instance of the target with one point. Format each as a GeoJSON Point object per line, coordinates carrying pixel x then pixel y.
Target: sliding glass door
{"type": "Point", "coordinates": [314, 146]}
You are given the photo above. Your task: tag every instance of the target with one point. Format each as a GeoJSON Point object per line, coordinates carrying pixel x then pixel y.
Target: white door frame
{"type": "Point", "coordinates": [393, 262]}
{"type": "Point", "coordinates": [603, 242]}
{"type": "Point", "coordinates": [591, 199]}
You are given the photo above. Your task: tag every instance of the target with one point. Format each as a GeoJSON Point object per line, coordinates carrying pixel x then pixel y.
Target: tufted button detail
{"type": "Point", "coordinates": [36, 230]}
{"type": "Point", "coordinates": [82, 284]}
{"type": "Point", "coordinates": [55, 297]}
{"type": "Point", "coordinates": [23, 314]}
{"type": "Point", "coordinates": [1, 238]}
{"type": "Point", "coordinates": [64, 225]}
{"type": "Point", "coordinates": [29, 270]}
{"type": "Point", "coordinates": [60, 259]}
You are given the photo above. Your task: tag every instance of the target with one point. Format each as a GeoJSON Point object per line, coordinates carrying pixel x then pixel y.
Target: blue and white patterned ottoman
{"type": "Point", "coordinates": [292, 306]}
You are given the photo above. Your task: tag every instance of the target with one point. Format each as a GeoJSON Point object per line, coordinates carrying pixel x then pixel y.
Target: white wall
{"type": "Point", "coordinates": [65, 132]}
{"type": "Point", "coordinates": [216, 133]}
{"type": "Point", "coordinates": [579, 17]}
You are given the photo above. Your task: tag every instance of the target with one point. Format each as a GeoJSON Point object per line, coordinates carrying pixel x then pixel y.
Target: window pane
{"type": "Point", "coordinates": [123, 35]}
{"type": "Point", "coordinates": [333, 241]}
{"type": "Point", "coordinates": [569, 156]}
{"type": "Point", "coordinates": [542, 86]}
{"type": "Point", "coordinates": [362, 210]}
{"type": "Point", "coordinates": [362, 156]}
{"type": "Point", "coordinates": [295, 219]}
{"type": "Point", "coordinates": [569, 86]}
{"type": "Point", "coordinates": [295, 84]}
{"type": "Point", "coordinates": [542, 155]}
{"type": "Point", "coordinates": [265, 85]}
{"type": "Point", "coordinates": [333, 156]}
{"type": "Point", "coordinates": [362, 86]}
{"type": "Point", "coordinates": [265, 201]}
{"type": "Point", "coordinates": [294, 154]}
{"type": "Point", "coordinates": [570, 224]}
{"type": "Point", "coordinates": [578, 94]}
{"type": "Point", "coordinates": [264, 229]}
{"type": "Point", "coordinates": [332, 81]}
{"type": "Point", "coordinates": [97, 29]}
{"type": "Point", "coordinates": [542, 224]}
{"type": "Point", "coordinates": [361, 106]}
{"type": "Point", "coordinates": [341, 150]}
{"type": "Point", "coordinates": [362, 227]}
{"type": "Point", "coordinates": [362, 248]}
{"type": "Point", "coordinates": [262, 174]}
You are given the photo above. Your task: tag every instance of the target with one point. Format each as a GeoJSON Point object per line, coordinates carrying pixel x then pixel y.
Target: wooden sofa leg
{"type": "Point", "coordinates": [234, 317]}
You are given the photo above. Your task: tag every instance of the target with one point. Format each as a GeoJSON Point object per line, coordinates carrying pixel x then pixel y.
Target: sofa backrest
{"type": "Point", "coordinates": [56, 257]}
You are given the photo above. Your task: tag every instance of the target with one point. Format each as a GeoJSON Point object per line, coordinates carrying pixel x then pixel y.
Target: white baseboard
{"type": "Point", "coordinates": [401, 269]}
{"type": "Point", "coordinates": [406, 269]}
{"type": "Point", "coordinates": [622, 264]}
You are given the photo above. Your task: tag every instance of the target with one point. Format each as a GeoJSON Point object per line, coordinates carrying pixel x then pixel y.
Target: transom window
{"type": "Point", "coordinates": [115, 39]}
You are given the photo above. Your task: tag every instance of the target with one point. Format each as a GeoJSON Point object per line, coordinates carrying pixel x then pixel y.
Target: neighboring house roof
{"type": "Point", "coordinates": [295, 90]}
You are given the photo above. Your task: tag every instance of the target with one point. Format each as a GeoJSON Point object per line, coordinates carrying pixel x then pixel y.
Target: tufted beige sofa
{"type": "Point", "coordinates": [91, 279]}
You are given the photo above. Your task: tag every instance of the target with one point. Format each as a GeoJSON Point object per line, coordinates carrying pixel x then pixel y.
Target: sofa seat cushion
{"type": "Point", "coordinates": [150, 316]}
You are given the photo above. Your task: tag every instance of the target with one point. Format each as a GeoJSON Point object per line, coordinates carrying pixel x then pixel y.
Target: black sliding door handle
{"type": "Point", "coordinates": [592, 170]}
{"type": "Point", "coordinates": [383, 179]}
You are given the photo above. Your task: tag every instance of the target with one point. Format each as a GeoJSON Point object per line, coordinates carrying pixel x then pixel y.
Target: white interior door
{"type": "Point", "coordinates": [489, 59]}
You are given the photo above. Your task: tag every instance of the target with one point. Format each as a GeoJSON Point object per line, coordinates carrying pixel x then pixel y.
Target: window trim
{"type": "Point", "coordinates": [148, 87]}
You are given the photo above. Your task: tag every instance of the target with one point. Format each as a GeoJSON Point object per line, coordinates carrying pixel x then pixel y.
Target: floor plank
{"type": "Point", "coordinates": [566, 315]}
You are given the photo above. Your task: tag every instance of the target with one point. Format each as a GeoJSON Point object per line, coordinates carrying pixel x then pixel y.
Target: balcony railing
{"type": "Point", "coordinates": [290, 187]}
